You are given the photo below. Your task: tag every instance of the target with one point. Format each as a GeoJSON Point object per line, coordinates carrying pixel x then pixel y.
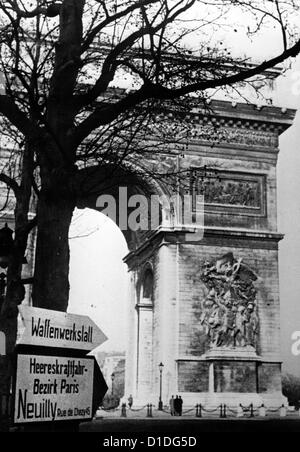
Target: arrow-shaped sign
{"type": "Point", "coordinates": [47, 328]}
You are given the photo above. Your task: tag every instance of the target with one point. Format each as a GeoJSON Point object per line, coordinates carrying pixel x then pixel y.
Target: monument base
{"type": "Point", "coordinates": [247, 353]}
{"type": "Point", "coordinates": [233, 400]}
{"type": "Point", "coordinates": [231, 376]}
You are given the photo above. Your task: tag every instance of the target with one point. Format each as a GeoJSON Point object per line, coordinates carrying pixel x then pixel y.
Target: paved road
{"type": "Point", "coordinates": [161, 422]}
{"type": "Point", "coordinates": [191, 426]}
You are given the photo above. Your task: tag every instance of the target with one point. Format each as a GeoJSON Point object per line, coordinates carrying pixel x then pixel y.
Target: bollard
{"type": "Point", "coordinates": [200, 411]}
{"type": "Point", "coordinates": [240, 411]}
{"type": "Point", "coordinates": [251, 410]}
{"type": "Point", "coordinates": [221, 410]}
{"type": "Point", "coordinates": [224, 410]}
{"type": "Point", "coordinates": [283, 411]}
{"type": "Point", "coordinates": [123, 410]}
{"type": "Point", "coordinates": [149, 410]}
{"type": "Point", "coordinates": [262, 411]}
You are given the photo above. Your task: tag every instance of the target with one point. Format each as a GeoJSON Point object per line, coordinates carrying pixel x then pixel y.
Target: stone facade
{"type": "Point", "coordinates": [215, 314]}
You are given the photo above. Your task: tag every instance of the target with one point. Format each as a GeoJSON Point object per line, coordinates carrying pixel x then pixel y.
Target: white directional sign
{"type": "Point", "coordinates": [53, 388]}
{"type": "Point", "coordinates": [58, 329]}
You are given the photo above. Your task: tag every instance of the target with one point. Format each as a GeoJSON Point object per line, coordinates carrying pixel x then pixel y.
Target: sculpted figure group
{"type": "Point", "coordinates": [229, 192]}
{"type": "Point", "coordinates": [229, 312]}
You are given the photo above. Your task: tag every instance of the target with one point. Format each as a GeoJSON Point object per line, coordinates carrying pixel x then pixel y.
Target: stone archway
{"type": "Point", "coordinates": [202, 361]}
{"type": "Point", "coordinates": [231, 160]}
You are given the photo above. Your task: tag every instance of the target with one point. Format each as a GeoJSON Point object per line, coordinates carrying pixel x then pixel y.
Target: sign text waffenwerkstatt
{"type": "Point", "coordinates": [58, 329]}
{"type": "Point", "coordinates": [44, 329]}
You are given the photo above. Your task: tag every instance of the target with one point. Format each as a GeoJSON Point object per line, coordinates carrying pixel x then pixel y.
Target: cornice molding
{"type": "Point", "coordinates": [165, 236]}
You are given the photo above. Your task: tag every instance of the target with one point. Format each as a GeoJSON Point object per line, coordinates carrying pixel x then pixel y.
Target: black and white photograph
{"type": "Point", "coordinates": [149, 219]}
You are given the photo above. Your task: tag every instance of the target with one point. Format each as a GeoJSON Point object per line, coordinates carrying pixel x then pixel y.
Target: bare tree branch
{"type": "Point", "coordinates": [113, 18]}
{"type": "Point", "coordinates": [51, 10]}
{"type": "Point", "coordinates": [110, 64]}
{"type": "Point", "coordinates": [19, 119]}
{"type": "Point", "coordinates": [11, 183]}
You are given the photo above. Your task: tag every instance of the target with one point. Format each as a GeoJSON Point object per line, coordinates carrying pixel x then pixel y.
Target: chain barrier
{"type": "Point", "coordinates": [246, 408]}
{"type": "Point", "coordinates": [183, 412]}
{"type": "Point", "coordinates": [214, 410]}
{"type": "Point", "coordinates": [275, 409]}
{"type": "Point", "coordinates": [188, 411]}
{"type": "Point", "coordinates": [138, 409]}
{"type": "Point", "coordinates": [223, 410]}
{"type": "Point", "coordinates": [249, 408]}
{"type": "Point", "coordinates": [234, 412]}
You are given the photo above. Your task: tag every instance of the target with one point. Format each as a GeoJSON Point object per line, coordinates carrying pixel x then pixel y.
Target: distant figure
{"type": "Point", "coordinates": [180, 404]}
{"type": "Point", "coordinates": [130, 401]}
{"type": "Point", "coordinates": [176, 406]}
{"type": "Point", "coordinates": [172, 410]}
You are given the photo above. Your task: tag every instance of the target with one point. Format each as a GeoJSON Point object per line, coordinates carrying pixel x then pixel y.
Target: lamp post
{"type": "Point", "coordinates": [6, 245]}
{"type": "Point", "coordinates": [160, 402]}
{"type": "Point", "coordinates": [6, 250]}
{"type": "Point", "coordinates": [112, 383]}
{"type": "Point", "coordinates": [2, 288]}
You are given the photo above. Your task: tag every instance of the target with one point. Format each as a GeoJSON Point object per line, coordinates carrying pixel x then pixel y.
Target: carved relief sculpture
{"type": "Point", "coordinates": [238, 193]}
{"type": "Point", "coordinates": [223, 191]}
{"type": "Point", "coordinates": [229, 311]}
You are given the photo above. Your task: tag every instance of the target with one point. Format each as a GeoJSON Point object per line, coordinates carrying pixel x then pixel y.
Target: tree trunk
{"type": "Point", "coordinates": [15, 291]}
{"type": "Point", "coordinates": [51, 277]}
{"type": "Point", "coordinates": [8, 325]}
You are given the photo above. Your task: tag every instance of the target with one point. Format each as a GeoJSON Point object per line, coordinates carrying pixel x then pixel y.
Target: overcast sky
{"type": "Point", "coordinates": [289, 218]}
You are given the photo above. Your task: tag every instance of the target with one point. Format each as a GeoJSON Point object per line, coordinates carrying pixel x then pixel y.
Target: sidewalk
{"type": "Point", "coordinates": [189, 426]}
{"type": "Point", "coordinates": [189, 414]}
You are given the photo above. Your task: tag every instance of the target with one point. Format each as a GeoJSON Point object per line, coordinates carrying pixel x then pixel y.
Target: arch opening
{"type": "Point", "coordinates": [118, 298]}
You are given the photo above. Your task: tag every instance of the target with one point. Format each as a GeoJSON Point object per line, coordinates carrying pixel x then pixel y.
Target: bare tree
{"type": "Point", "coordinates": [60, 60]}
{"type": "Point", "coordinates": [291, 389]}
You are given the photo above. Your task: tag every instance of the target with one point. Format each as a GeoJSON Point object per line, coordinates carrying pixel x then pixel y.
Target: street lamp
{"type": "Point", "coordinates": [112, 383]}
{"type": "Point", "coordinates": [2, 288]}
{"type": "Point", "coordinates": [6, 245]}
{"type": "Point", "coordinates": [160, 403]}
{"type": "Point", "coordinates": [6, 249]}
